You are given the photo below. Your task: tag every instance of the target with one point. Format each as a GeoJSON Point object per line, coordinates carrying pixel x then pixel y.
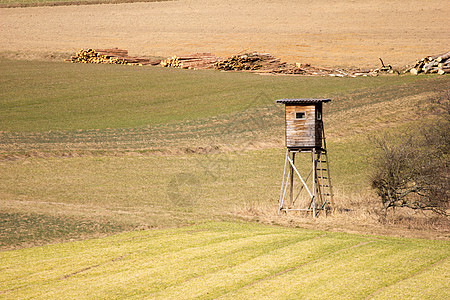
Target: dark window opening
{"type": "Point", "coordinates": [300, 115]}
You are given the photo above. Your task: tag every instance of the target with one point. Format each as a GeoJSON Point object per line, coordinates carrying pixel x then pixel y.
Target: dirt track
{"type": "Point", "coordinates": [322, 32]}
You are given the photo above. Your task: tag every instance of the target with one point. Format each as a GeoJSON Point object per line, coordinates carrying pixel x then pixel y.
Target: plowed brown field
{"type": "Point", "coordinates": [320, 32]}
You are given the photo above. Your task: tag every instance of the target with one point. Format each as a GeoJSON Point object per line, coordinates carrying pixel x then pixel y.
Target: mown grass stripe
{"type": "Point", "coordinates": [162, 242]}
{"type": "Point", "coordinates": [300, 266]}
{"type": "Point", "coordinates": [265, 265]}
{"type": "Point", "coordinates": [433, 283]}
{"type": "Point", "coordinates": [177, 268]}
{"type": "Point", "coordinates": [250, 261]}
{"type": "Point", "coordinates": [59, 269]}
{"type": "Point", "coordinates": [136, 263]}
{"type": "Point", "coordinates": [352, 273]}
{"type": "Point", "coordinates": [244, 262]}
{"type": "Point", "coordinates": [426, 268]}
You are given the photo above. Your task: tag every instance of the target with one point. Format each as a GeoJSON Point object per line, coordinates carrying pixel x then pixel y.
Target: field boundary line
{"type": "Point", "coordinates": [406, 278]}
{"type": "Point", "coordinates": [10, 290]}
{"type": "Point", "coordinates": [69, 3]}
{"type": "Point", "coordinates": [295, 268]}
{"type": "Point", "coordinates": [112, 260]}
{"type": "Point", "coordinates": [78, 271]}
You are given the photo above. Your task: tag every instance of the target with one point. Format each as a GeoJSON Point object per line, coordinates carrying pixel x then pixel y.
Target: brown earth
{"type": "Point", "coordinates": [322, 32]}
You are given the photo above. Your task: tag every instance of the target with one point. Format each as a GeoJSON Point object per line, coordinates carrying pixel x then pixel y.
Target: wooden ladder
{"type": "Point", "coordinates": [324, 189]}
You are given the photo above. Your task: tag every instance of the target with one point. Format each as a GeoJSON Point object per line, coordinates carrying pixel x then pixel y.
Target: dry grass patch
{"type": "Point", "coordinates": [359, 213]}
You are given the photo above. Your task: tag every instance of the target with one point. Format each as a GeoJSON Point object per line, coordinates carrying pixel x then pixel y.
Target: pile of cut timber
{"type": "Point", "coordinates": [110, 56]}
{"type": "Point", "coordinates": [439, 64]}
{"type": "Point", "coordinates": [384, 69]}
{"type": "Point", "coordinates": [265, 63]}
{"type": "Point", "coordinates": [193, 61]}
{"type": "Point", "coordinates": [250, 62]}
{"type": "Point", "coordinates": [307, 69]}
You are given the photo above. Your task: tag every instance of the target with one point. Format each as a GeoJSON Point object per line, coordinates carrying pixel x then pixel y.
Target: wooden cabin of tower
{"type": "Point", "coordinates": [304, 127]}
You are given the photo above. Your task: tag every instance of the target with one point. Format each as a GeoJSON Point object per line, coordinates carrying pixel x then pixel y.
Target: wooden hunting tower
{"type": "Point", "coordinates": [305, 134]}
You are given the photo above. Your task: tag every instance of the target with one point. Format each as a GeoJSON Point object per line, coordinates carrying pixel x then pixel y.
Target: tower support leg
{"type": "Point", "coordinates": [311, 193]}
{"type": "Point", "coordinates": [314, 170]}
{"type": "Point", "coordinates": [291, 171]}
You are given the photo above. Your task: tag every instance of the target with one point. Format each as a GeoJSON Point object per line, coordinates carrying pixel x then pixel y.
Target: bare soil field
{"type": "Point", "coordinates": [348, 33]}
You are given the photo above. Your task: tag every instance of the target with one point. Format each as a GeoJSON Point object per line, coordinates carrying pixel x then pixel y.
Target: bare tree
{"type": "Point", "coordinates": [412, 169]}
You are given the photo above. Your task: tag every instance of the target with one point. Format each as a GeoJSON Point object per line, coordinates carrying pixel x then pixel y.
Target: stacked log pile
{"type": "Point", "coordinates": [110, 56]}
{"type": "Point", "coordinates": [439, 64]}
{"type": "Point", "coordinates": [250, 62]}
{"type": "Point", "coordinates": [193, 61]}
{"type": "Point", "coordinates": [263, 63]}
{"type": "Point", "coordinates": [268, 64]}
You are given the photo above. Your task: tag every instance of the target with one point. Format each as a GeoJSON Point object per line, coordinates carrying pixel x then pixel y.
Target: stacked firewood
{"type": "Point", "coordinates": [109, 56]}
{"type": "Point", "coordinates": [439, 64]}
{"type": "Point", "coordinates": [192, 61]}
{"type": "Point", "coordinates": [250, 62]}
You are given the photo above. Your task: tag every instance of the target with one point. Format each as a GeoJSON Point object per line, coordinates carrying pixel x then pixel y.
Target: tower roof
{"type": "Point", "coordinates": [301, 101]}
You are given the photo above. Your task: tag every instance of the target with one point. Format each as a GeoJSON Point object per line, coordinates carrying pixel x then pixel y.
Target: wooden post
{"type": "Point", "coordinates": [314, 170]}
{"type": "Point", "coordinates": [291, 192]}
{"type": "Point", "coordinates": [283, 189]}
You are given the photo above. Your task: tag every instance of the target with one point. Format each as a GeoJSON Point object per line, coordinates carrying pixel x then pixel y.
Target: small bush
{"type": "Point", "coordinates": [412, 169]}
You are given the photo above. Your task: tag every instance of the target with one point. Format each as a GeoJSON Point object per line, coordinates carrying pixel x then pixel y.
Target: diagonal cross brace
{"type": "Point", "coordinates": [299, 176]}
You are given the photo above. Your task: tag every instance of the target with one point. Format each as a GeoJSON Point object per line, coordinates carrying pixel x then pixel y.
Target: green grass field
{"type": "Point", "coordinates": [158, 147]}
{"type": "Point", "coordinates": [43, 96]}
{"type": "Point", "coordinates": [91, 151]}
{"type": "Point", "coordinates": [230, 261]}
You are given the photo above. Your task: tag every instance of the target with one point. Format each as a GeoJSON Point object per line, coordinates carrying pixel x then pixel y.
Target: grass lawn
{"type": "Point", "coordinates": [43, 96]}
{"type": "Point", "coordinates": [91, 151]}
{"type": "Point", "coordinates": [231, 261]}
{"type": "Point", "coordinates": [154, 147]}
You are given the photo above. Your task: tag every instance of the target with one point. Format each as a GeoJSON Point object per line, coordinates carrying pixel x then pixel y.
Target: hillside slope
{"type": "Point", "coordinates": [144, 148]}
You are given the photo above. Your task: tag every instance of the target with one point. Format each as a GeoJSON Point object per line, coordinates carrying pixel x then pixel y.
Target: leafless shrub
{"type": "Point", "coordinates": [412, 169]}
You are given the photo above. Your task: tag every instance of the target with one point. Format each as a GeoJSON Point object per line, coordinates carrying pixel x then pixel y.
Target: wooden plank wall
{"type": "Point", "coordinates": [301, 133]}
